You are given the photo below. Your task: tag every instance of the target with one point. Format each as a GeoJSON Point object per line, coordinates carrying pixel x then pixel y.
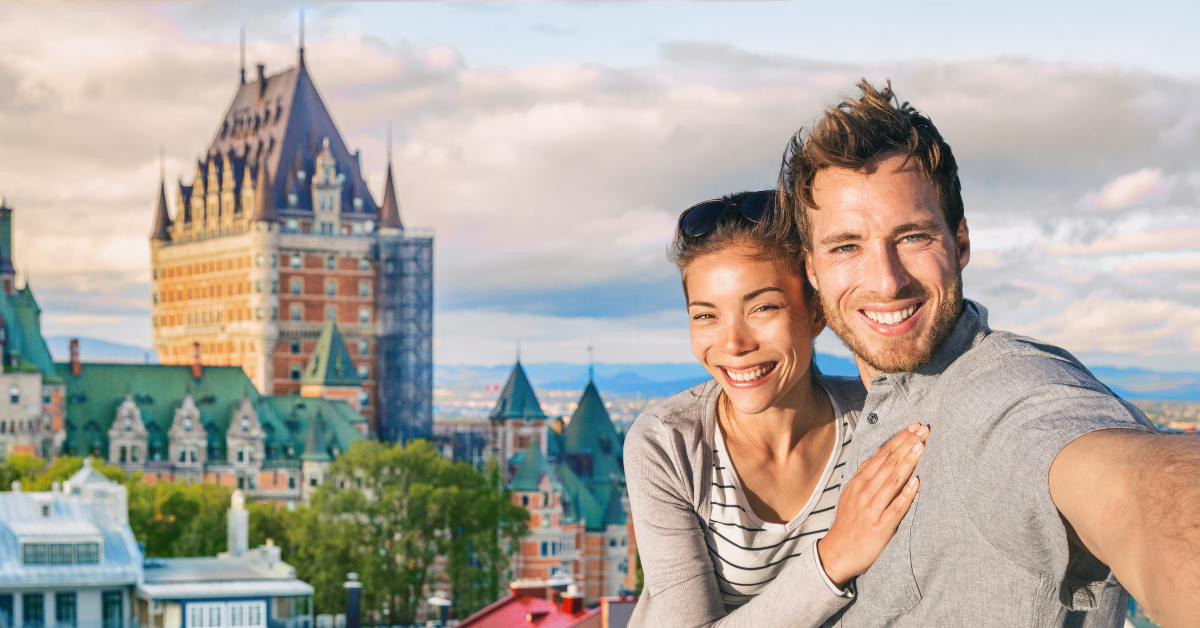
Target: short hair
{"type": "Point", "coordinates": [775, 238]}
{"type": "Point", "coordinates": [855, 131]}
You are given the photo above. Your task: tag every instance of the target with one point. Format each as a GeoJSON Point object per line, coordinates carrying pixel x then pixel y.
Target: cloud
{"type": "Point", "coordinates": [1096, 324]}
{"type": "Point", "coordinates": [1158, 264]}
{"type": "Point", "coordinates": [1143, 186]}
{"type": "Point", "coordinates": [1156, 240]}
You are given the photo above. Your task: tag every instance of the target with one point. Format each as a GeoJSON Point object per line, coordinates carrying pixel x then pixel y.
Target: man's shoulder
{"type": "Point", "coordinates": [1004, 360]}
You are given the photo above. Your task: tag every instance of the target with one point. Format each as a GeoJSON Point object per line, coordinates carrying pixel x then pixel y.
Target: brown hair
{"type": "Point", "coordinates": [856, 131]}
{"type": "Point", "coordinates": [775, 237]}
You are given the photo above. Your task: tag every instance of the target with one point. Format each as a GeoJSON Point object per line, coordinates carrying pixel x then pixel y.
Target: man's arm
{"type": "Point", "coordinates": [1133, 499]}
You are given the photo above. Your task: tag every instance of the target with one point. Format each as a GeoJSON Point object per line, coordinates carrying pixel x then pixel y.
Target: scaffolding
{"type": "Point", "coordinates": [404, 349]}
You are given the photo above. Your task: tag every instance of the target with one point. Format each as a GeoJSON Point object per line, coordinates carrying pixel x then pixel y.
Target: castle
{"type": "Point", "coordinates": [276, 234]}
{"type": "Point", "coordinates": [570, 477]}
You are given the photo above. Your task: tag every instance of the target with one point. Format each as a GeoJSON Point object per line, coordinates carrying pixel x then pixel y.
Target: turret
{"type": "Point", "coordinates": [7, 272]}
{"type": "Point", "coordinates": [264, 198]}
{"type": "Point", "coordinates": [162, 218]}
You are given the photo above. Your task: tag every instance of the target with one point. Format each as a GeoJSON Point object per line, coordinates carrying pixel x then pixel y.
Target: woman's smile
{"type": "Point", "coordinates": [750, 376]}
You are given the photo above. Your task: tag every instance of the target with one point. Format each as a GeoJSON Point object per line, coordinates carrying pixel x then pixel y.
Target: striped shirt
{"type": "Point", "coordinates": [747, 552]}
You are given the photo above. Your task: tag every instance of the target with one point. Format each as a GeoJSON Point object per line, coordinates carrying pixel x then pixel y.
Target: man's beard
{"type": "Point", "coordinates": [901, 354]}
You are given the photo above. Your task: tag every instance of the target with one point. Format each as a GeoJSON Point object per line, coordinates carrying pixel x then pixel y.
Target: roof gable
{"type": "Point", "coordinates": [517, 400]}
{"type": "Point", "coordinates": [532, 467]}
{"type": "Point", "coordinates": [330, 364]}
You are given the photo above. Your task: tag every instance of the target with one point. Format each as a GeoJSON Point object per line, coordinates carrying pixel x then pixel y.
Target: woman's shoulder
{"type": "Point", "coordinates": [682, 412]}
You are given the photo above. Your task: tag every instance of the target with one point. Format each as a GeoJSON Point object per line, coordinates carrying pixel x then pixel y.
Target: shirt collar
{"type": "Point", "coordinates": [970, 330]}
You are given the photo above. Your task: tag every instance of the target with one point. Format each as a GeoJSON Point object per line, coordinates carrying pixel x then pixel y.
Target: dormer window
{"type": "Point", "coordinates": [245, 424]}
{"type": "Point", "coordinates": [128, 423]}
{"type": "Point", "coordinates": [187, 424]}
{"type": "Point", "coordinates": [14, 394]}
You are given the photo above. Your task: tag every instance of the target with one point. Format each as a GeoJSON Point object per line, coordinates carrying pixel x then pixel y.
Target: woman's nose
{"type": "Point", "coordinates": [737, 337]}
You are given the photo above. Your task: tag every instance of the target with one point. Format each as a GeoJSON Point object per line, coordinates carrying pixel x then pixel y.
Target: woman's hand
{"type": "Point", "coordinates": [871, 506]}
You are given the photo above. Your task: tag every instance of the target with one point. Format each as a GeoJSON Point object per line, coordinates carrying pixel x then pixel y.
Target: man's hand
{"type": "Point", "coordinates": [1133, 500]}
{"type": "Point", "coordinates": [871, 506]}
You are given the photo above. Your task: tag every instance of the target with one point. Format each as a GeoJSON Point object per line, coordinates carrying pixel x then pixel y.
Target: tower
{"type": "Point", "coordinates": [276, 234]}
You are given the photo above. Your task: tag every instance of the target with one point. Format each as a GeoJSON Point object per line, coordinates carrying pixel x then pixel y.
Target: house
{"type": "Point", "coordinates": [68, 556]}
{"type": "Point", "coordinates": [242, 588]}
{"type": "Point", "coordinates": [541, 604]}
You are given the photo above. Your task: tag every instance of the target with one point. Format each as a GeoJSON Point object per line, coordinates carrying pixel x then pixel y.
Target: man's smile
{"type": "Point", "coordinates": [892, 319]}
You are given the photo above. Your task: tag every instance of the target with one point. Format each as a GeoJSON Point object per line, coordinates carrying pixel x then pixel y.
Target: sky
{"type": "Point", "coordinates": [551, 146]}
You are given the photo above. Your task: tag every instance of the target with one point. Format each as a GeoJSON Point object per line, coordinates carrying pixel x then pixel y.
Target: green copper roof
{"type": "Point", "coordinates": [29, 327]}
{"type": "Point", "coordinates": [530, 470]}
{"type": "Point", "coordinates": [315, 442]}
{"type": "Point", "coordinates": [330, 364]}
{"type": "Point", "coordinates": [583, 503]}
{"type": "Point", "coordinates": [614, 513]}
{"type": "Point", "coordinates": [591, 432]}
{"type": "Point", "coordinates": [158, 390]}
{"type": "Point", "coordinates": [517, 400]}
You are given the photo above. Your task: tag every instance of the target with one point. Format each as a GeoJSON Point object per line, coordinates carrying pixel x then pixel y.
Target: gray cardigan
{"type": "Point", "coordinates": [668, 467]}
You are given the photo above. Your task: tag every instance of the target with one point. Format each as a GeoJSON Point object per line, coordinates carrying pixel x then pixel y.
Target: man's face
{"type": "Point", "coordinates": [887, 267]}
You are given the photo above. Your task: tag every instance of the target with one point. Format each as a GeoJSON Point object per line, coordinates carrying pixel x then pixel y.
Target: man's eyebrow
{"type": "Point", "coordinates": [751, 295]}
{"type": "Point", "coordinates": [838, 238]}
{"type": "Point", "coordinates": [920, 225]}
{"type": "Point", "coordinates": [700, 304]}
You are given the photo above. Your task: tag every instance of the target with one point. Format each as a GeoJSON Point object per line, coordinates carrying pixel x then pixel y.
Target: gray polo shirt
{"type": "Point", "coordinates": [983, 544]}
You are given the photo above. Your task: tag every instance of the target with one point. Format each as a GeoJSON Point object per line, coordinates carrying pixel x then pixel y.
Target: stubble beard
{"type": "Point", "coordinates": [904, 353]}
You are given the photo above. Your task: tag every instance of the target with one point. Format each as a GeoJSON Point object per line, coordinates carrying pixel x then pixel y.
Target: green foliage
{"type": "Point", "coordinates": [269, 521]}
{"type": "Point", "coordinates": [175, 519]}
{"type": "Point", "coordinates": [388, 512]}
{"type": "Point", "coordinates": [36, 474]}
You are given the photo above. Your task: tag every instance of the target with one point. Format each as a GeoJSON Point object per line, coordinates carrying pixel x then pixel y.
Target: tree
{"type": "Point", "coordinates": [389, 512]}
{"type": "Point", "coordinates": [174, 519]}
{"type": "Point", "coordinates": [38, 474]}
{"type": "Point", "coordinates": [270, 522]}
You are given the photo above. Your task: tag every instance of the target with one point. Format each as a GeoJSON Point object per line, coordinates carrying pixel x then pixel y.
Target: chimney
{"type": "Point", "coordinates": [76, 367]}
{"type": "Point", "coordinates": [262, 79]}
{"type": "Point", "coordinates": [239, 525]}
{"type": "Point", "coordinates": [197, 369]}
{"type": "Point", "coordinates": [572, 603]}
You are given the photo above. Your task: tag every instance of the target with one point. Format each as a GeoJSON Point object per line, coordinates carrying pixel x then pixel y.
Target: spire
{"type": "Point", "coordinates": [591, 364]}
{"type": "Point", "coordinates": [389, 214]}
{"type": "Point", "coordinates": [264, 194]}
{"type": "Point", "coordinates": [242, 54]}
{"type": "Point", "coordinates": [301, 37]}
{"type": "Point", "coordinates": [330, 364]}
{"type": "Point", "coordinates": [517, 400]}
{"type": "Point", "coordinates": [162, 218]}
{"type": "Point", "coordinates": [314, 443]}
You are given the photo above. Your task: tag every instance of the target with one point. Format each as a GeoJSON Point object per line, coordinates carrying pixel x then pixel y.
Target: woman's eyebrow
{"type": "Point", "coordinates": [701, 304]}
{"type": "Point", "coordinates": [760, 291]}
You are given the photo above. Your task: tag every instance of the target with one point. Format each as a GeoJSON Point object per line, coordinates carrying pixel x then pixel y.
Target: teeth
{"type": "Point", "coordinates": [749, 376]}
{"type": "Point", "coordinates": [891, 318]}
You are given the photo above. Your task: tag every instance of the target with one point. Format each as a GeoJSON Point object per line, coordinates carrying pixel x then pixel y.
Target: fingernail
{"type": "Point", "coordinates": [914, 427]}
{"type": "Point", "coordinates": [912, 483]}
{"type": "Point", "coordinates": [917, 446]}
{"type": "Point", "coordinates": [922, 430]}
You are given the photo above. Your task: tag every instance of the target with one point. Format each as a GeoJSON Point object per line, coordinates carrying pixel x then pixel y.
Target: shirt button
{"type": "Point", "coordinates": [872, 418]}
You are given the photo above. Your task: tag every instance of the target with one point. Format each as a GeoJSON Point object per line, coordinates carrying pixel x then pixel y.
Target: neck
{"type": "Point", "coordinates": [867, 372]}
{"type": "Point", "coordinates": [780, 428]}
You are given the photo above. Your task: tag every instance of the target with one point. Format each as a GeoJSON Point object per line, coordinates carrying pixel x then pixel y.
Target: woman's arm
{"type": "Point", "coordinates": [679, 578]}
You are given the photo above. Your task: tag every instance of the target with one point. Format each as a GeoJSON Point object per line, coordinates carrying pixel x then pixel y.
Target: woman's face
{"type": "Point", "coordinates": [750, 326]}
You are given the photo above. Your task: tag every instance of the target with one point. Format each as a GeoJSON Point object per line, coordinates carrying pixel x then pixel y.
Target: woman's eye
{"type": "Point", "coordinates": [702, 316]}
{"type": "Point", "coordinates": [768, 306]}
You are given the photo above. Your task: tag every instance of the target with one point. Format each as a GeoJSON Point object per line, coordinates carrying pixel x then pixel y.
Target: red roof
{"type": "Point", "coordinates": [524, 611]}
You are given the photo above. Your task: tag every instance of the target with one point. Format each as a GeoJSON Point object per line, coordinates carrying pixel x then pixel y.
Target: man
{"type": "Point", "coordinates": [1037, 479]}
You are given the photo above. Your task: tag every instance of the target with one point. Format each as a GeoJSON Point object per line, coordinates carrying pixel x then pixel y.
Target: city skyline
{"type": "Point", "coordinates": [552, 150]}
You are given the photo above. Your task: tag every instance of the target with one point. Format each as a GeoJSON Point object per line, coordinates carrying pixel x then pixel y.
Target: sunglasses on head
{"type": "Point", "coordinates": [701, 218]}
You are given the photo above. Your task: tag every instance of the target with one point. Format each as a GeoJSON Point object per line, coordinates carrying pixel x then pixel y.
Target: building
{"type": "Point", "coordinates": [31, 408]}
{"type": "Point", "coordinates": [208, 423]}
{"type": "Point", "coordinates": [67, 556]}
{"type": "Point", "coordinates": [570, 476]}
{"type": "Point", "coordinates": [277, 233]}
{"type": "Point", "coordinates": [242, 588]}
{"type": "Point", "coordinates": [538, 603]}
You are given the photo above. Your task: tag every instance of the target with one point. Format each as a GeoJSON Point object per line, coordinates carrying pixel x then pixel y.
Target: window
{"type": "Point", "coordinates": [364, 288]}
{"type": "Point", "coordinates": [297, 285]}
{"type": "Point", "coordinates": [364, 399]}
{"type": "Point", "coordinates": [64, 609]}
{"type": "Point", "coordinates": [133, 454]}
{"type": "Point", "coordinates": [291, 481]}
{"type": "Point", "coordinates": [296, 260]}
{"type": "Point", "coordinates": [87, 553]}
{"type": "Point", "coordinates": [273, 260]}
{"type": "Point", "coordinates": [187, 424]}
{"type": "Point", "coordinates": [364, 347]}
{"type": "Point", "coordinates": [364, 371]}
{"type": "Point", "coordinates": [294, 370]}
{"type": "Point", "coordinates": [331, 312]}
{"type": "Point", "coordinates": [293, 225]}
{"type": "Point", "coordinates": [14, 394]}
{"type": "Point", "coordinates": [364, 263]}
{"type": "Point", "coordinates": [121, 458]}
{"type": "Point", "coordinates": [331, 263]}
{"type": "Point", "coordinates": [545, 548]}
{"type": "Point", "coordinates": [258, 286]}
{"type": "Point", "coordinates": [331, 288]}
{"type": "Point", "coordinates": [524, 500]}
{"type": "Point", "coordinates": [32, 611]}
{"type": "Point", "coordinates": [295, 346]}
{"type": "Point", "coordinates": [46, 396]}
{"type": "Point", "coordinates": [112, 608]}
{"type": "Point", "coordinates": [245, 424]}
{"type": "Point", "coordinates": [364, 314]}
{"type": "Point", "coordinates": [297, 312]}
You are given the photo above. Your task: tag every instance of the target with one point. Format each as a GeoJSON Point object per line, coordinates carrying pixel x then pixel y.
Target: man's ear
{"type": "Point", "coordinates": [808, 268]}
{"type": "Point", "coordinates": [963, 240]}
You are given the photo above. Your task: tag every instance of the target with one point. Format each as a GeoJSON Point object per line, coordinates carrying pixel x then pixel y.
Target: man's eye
{"type": "Point", "coordinates": [916, 237]}
{"type": "Point", "coordinates": [845, 248]}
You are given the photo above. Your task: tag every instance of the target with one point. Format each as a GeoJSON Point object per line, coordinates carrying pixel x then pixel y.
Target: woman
{"type": "Point", "coordinates": [732, 483]}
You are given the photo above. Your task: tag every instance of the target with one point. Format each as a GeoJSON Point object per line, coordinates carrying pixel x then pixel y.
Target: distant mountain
{"type": "Point", "coordinates": [95, 350]}
{"type": "Point", "coordinates": [658, 380]}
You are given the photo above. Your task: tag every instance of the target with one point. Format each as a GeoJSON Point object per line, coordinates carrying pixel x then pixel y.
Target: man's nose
{"type": "Point", "coordinates": [885, 273]}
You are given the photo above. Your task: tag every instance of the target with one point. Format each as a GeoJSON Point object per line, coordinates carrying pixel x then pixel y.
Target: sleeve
{"type": "Point", "coordinates": [1005, 459]}
{"type": "Point", "coordinates": [680, 584]}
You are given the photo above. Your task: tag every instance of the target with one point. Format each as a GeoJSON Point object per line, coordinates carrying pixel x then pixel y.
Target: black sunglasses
{"type": "Point", "coordinates": [701, 218]}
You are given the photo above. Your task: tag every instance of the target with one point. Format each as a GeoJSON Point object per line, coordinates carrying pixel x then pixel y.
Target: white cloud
{"type": "Point", "coordinates": [1096, 324]}
{"type": "Point", "coordinates": [1151, 265]}
{"type": "Point", "coordinates": [1143, 186]}
{"type": "Point", "coordinates": [1156, 240]}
